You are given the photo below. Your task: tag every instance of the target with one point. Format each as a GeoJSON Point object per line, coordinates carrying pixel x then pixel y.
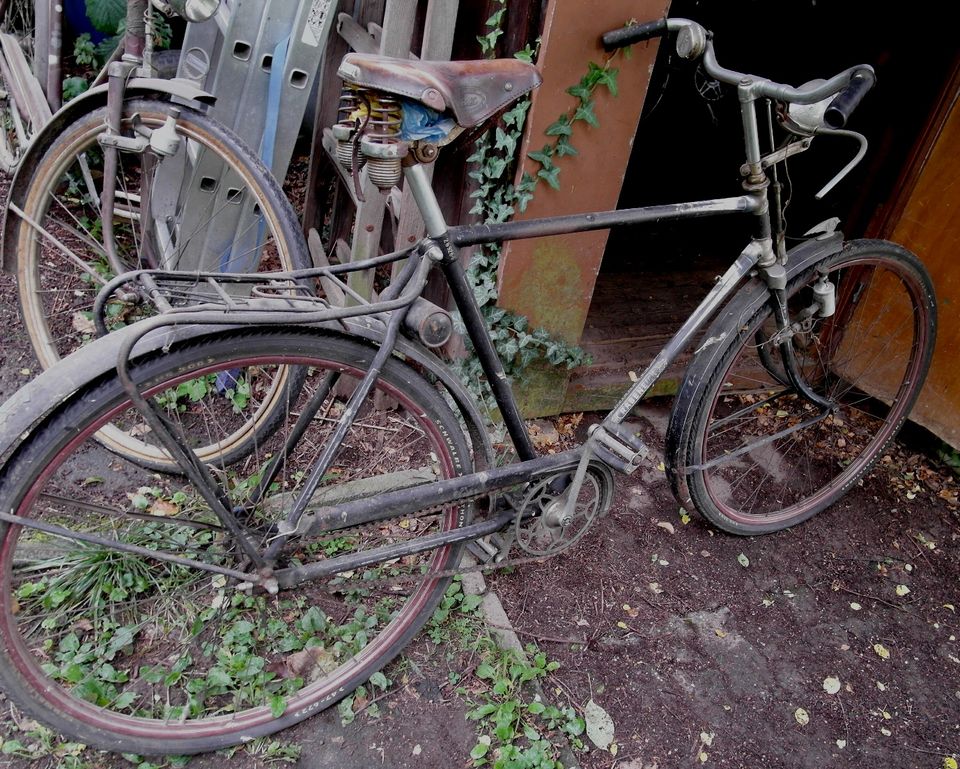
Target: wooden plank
{"type": "Point", "coordinates": [551, 280]}
{"type": "Point", "coordinates": [332, 291]}
{"type": "Point", "coordinates": [398, 21]}
{"type": "Point", "coordinates": [438, 33]}
{"type": "Point", "coordinates": [356, 36]}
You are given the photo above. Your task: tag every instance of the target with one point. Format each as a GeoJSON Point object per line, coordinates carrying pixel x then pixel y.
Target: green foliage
{"type": "Point", "coordinates": [193, 391]}
{"type": "Point", "coordinates": [73, 87]}
{"type": "Point", "coordinates": [497, 199]}
{"type": "Point", "coordinates": [456, 616]}
{"type": "Point", "coordinates": [517, 729]}
{"type": "Point", "coordinates": [950, 457]}
{"type": "Point", "coordinates": [107, 15]}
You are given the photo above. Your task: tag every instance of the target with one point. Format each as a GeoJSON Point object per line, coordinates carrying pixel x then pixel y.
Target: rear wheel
{"type": "Point", "coordinates": [129, 653]}
{"type": "Point", "coordinates": [754, 455]}
{"type": "Point", "coordinates": [210, 206]}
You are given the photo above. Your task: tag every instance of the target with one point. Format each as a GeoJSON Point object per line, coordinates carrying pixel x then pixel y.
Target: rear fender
{"type": "Point", "coordinates": [34, 402]}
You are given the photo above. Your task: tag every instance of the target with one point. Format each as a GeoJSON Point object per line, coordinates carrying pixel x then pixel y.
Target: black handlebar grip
{"type": "Point", "coordinates": [845, 102]}
{"type": "Point", "coordinates": [635, 33]}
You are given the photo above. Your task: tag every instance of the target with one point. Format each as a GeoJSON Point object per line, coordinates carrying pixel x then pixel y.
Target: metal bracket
{"type": "Point", "coordinates": [794, 148]}
{"type": "Point", "coordinates": [136, 144]}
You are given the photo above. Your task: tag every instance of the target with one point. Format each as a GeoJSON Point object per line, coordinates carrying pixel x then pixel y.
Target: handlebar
{"type": "Point", "coordinates": [634, 33]}
{"type": "Point", "coordinates": [849, 86]}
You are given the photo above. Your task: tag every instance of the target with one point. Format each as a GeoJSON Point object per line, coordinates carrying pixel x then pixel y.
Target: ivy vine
{"type": "Point", "coordinates": [497, 199]}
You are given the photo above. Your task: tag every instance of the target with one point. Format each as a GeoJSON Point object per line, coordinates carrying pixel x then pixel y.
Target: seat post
{"type": "Point", "coordinates": [423, 193]}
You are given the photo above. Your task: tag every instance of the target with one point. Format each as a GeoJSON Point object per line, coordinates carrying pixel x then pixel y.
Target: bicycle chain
{"type": "Point", "coordinates": [443, 573]}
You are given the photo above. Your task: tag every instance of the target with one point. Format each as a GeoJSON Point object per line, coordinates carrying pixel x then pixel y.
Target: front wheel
{"type": "Point", "coordinates": [751, 454]}
{"type": "Point", "coordinates": [129, 653]}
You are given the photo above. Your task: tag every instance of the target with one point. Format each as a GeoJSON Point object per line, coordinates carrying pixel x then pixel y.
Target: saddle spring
{"type": "Point", "coordinates": [368, 133]}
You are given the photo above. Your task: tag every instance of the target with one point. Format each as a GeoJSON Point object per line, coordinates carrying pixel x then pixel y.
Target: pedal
{"type": "Point", "coordinates": [618, 447]}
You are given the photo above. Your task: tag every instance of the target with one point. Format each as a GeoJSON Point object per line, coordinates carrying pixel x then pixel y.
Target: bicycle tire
{"type": "Point", "coordinates": [752, 456]}
{"type": "Point", "coordinates": [225, 205]}
{"type": "Point", "coordinates": [188, 639]}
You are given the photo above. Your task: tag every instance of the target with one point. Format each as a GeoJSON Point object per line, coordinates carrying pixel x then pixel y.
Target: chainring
{"type": "Point", "coordinates": [542, 527]}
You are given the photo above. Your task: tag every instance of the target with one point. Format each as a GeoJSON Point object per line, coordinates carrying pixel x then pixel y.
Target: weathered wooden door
{"type": "Point", "coordinates": [926, 219]}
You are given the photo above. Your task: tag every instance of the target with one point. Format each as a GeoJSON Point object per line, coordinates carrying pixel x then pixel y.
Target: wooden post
{"type": "Point", "coordinates": [551, 280]}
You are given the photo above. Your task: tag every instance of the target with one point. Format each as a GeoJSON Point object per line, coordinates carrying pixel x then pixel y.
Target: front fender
{"type": "Point", "coordinates": [69, 113]}
{"type": "Point", "coordinates": [738, 310]}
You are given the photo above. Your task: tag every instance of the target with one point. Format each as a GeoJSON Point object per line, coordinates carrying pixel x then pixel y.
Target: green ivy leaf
{"type": "Point", "coordinates": [543, 156]}
{"type": "Point", "coordinates": [506, 142]}
{"type": "Point", "coordinates": [564, 148]}
{"type": "Point", "coordinates": [106, 15]}
{"type": "Point", "coordinates": [560, 127]}
{"type": "Point", "coordinates": [550, 176]}
{"type": "Point", "coordinates": [585, 112]}
{"type": "Point", "coordinates": [608, 79]}
{"type": "Point", "coordinates": [581, 91]}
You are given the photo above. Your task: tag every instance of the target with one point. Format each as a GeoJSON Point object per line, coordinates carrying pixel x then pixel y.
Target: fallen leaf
{"type": "Point", "coordinates": [702, 756]}
{"type": "Point", "coordinates": [855, 606]}
{"type": "Point", "coordinates": [882, 651]}
{"type": "Point", "coordinates": [622, 625]}
{"type": "Point", "coordinates": [655, 588]}
{"type": "Point", "coordinates": [417, 750]}
{"type": "Point", "coordinates": [831, 684]}
{"type": "Point", "coordinates": [599, 725]}
{"type": "Point", "coordinates": [885, 732]}
{"type": "Point", "coordinates": [164, 508]}
{"type": "Point", "coordinates": [666, 526]}
{"type": "Point", "coordinates": [720, 633]}
{"type": "Point", "coordinates": [743, 560]}
{"type": "Point", "coordinates": [803, 718]}
{"type": "Point", "coordinates": [949, 762]}
{"type": "Point", "coordinates": [83, 324]}
{"type": "Point", "coordinates": [902, 590]}
{"type": "Point", "coordinates": [881, 687]}
{"type": "Point", "coordinates": [707, 738]}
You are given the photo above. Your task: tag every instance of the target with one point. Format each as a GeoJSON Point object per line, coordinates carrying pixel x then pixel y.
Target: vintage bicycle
{"type": "Point", "coordinates": [182, 612]}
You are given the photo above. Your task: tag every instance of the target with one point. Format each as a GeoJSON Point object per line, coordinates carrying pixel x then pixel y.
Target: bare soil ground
{"type": "Point", "coordinates": [708, 648]}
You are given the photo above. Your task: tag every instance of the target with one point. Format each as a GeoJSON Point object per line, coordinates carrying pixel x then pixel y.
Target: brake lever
{"type": "Point", "coordinates": [861, 139]}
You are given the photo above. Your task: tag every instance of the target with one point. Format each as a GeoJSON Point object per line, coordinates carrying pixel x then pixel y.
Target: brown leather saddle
{"type": "Point", "coordinates": [471, 90]}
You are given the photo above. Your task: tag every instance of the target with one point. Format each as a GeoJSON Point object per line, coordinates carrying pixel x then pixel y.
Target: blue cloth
{"type": "Point", "coordinates": [423, 123]}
